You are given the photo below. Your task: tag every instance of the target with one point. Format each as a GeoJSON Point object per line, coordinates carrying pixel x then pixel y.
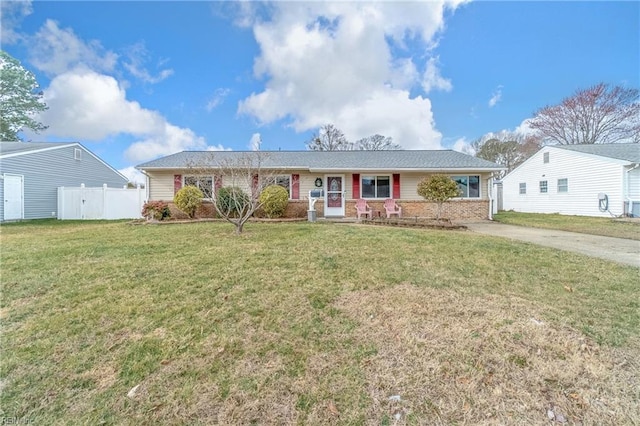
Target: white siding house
{"type": "Point", "coordinates": [585, 180]}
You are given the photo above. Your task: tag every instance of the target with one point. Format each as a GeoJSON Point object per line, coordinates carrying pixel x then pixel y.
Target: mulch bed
{"type": "Point", "coordinates": [414, 222]}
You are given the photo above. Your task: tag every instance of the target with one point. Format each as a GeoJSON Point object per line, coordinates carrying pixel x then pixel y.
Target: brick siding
{"type": "Point", "coordinates": [454, 210]}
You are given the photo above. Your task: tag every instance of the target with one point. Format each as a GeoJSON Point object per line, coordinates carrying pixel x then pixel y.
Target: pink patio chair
{"type": "Point", "coordinates": [362, 208]}
{"type": "Point", "coordinates": [392, 208]}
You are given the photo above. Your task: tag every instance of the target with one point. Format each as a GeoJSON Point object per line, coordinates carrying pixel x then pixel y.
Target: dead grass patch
{"type": "Point", "coordinates": [484, 360]}
{"type": "Point", "coordinates": [309, 324]}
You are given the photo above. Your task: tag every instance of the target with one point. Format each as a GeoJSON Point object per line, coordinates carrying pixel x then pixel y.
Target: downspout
{"type": "Point", "coordinates": [146, 185]}
{"type": "Point", "coordinates": [491, 199]}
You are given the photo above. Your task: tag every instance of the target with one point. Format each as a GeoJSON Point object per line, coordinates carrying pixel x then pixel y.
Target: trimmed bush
{"type": "Point", "coordinates": [232, 201]}
{"type": "Point", "coordinates": [439, 189]}
{"type": "Point", "coordinates": [157, 210]}
{"type": "Point", "coordinates": [188, 199]}
{"type": "Point", "coordinates": [274, 200]}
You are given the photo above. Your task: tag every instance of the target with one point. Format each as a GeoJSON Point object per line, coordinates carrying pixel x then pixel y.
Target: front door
{"type": "Point", "coordinates": [334, 195]}
{"type": "Point", "coordinates": [13, 202]}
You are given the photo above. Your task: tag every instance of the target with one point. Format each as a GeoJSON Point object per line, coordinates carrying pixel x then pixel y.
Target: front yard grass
{"type": "Point", "coordinates": [297, 323]}
{"type": "Point", "coordinates": [608, 227]}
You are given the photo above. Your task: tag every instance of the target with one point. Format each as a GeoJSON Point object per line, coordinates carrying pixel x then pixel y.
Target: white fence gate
{"type": "Point", "coordinates": [100, 203]}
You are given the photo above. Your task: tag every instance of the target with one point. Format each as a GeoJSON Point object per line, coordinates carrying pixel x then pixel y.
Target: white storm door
{"type": "Point", "coordinates": [13, 199]}
{"type": "Point", "coordinates": [334, 195]}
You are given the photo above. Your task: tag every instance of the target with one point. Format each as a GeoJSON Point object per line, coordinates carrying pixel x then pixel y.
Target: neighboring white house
{"type": "Point", "coordinates": [585, 180]}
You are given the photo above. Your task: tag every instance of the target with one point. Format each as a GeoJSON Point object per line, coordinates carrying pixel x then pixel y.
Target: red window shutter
{"type": "Point", "coordinates": [217, 183]}
{"type": "Point", "coordinates": [177, 183]}
{"type": "Point", "coordinates": [396, 186]}
{"type": "Point", "coordinates": [295, 187]}
{"type": "Point", "coordinates": [356, 186]}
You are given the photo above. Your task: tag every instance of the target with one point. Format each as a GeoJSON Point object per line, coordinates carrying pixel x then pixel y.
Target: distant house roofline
{"type": "Point", "coordinates": [37, 147]}
{"type": "Point", "coordinates": [332, 161]}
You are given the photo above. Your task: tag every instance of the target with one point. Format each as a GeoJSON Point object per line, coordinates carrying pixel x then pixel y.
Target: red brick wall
{"type": "Point", "coordinates": [454, 210]}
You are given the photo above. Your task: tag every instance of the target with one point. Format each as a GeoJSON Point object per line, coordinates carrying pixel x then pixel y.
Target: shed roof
{"type": "Point", "coordinates": [619, 151]}
{"type": "Point", "coordinates": [331, 160]}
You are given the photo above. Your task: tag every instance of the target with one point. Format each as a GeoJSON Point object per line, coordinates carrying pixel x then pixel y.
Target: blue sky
{"type": "Point", "coordinates": [133, 81]}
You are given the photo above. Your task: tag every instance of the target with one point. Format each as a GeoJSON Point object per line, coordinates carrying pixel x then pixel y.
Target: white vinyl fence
{"type": "Point", "coordinates": [100, 203]}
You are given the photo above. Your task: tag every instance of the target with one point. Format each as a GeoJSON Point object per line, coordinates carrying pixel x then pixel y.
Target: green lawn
{"type": "Point", "coordinates": [609, 227]}
{"type": "Point", "coordinates": [299, 323]}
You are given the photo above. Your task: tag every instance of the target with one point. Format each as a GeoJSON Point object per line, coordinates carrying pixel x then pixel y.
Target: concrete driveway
{"type": "Point", "coordinates": [618, 250]}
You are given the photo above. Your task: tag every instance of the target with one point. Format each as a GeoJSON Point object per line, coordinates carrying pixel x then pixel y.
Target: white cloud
{"type": "Point", "coordinates": [432, 80]}
{"type": "Point", "coordinates": [255, 142]}
{"type": "Point", "coordinates": [134, 175]}
{"type": "Point", "coordinates": [217, 148]}
{"type": "Point", "coordinates": [165, 140]}
{"type": "Point", "coordinates": [137, 56]}
{"type": "Point", "coordinates": [524, 128]}
{"type": "Point", "coordinates": [464, 146]}
{"type": "Point", "coordinates": [409, 121]}
{"type": "Point", "coordinates": [495, 97]}
{"type": "Point", "coordinates": [86, 105]}
{"type": "Point", "coordinates": [55, 51]}
{"type": "Point", "coordinates": [12, 13]}
{"type": "Point", "coordinates": [218, 98]}
{"type": "Point", "coordinates": [332, 63]}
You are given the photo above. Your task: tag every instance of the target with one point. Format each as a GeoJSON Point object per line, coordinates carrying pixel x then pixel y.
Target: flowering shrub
{"type": "Point", "coordinates": [158, 210]}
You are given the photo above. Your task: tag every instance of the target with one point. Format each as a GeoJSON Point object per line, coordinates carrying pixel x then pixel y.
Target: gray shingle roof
{"type": "Point", "coordinates": [24, 147]}
{"type": "Point", "coordinates": [620, 151]}
{"type": "Point", "coordinates": [331, 160]}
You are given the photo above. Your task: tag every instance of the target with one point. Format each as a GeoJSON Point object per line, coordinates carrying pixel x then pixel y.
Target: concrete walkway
{"type": "Point", "coordinates": [615, 249]}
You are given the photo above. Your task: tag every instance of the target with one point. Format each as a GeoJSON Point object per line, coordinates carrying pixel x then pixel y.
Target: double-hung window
{"type": "Point", "coordinates": [204, 183]}
{"type": "Point", "coordinates": [563, 185]}
{"type": "Point", "coordinates": [469, 186]}
{"type": "Point", "coordinates": [543, 187]}
{"type": "Point", "coordinates": [282, 180]}
{"type": "Point", "coordinates": [523, 188]}
{"type": "Point", "coordinates": [376, 187]}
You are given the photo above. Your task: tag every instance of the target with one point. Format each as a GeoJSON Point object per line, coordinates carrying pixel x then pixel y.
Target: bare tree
{"type": "Point", "coordinates": [329, 138]}
{"type": "Point", "coordinates": [376, 143]}
{"type": "Point", "coordinates": [599, 114]}
{"type": "Point", "coordinates": [507, 149]}
{"type": "Point", "coordinates": [237, 181]}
